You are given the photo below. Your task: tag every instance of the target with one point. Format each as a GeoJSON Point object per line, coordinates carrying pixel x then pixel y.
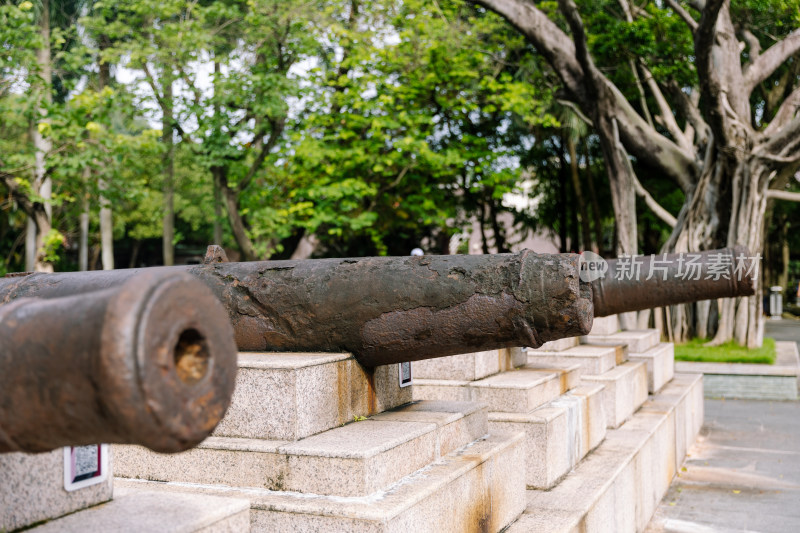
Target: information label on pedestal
{"type": "Point", "coordinates": [85, 466]}
{"type": "Point", "coordinates": [405, 374]}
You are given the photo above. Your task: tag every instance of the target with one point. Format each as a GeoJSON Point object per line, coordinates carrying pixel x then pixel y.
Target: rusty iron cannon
{"type": "Point", "coordinates": [150, 361]}
{"type": "Point", "coordinates": [392, 309]}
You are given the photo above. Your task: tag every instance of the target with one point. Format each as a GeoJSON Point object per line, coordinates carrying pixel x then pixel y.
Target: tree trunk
{"type": "Point", "coordinates": [237, 222]}
{"type": "Point", "coordinates": [106, 220]}
{"type": "Point", "coordinates": [482, 225]}
{"type": "Point", "coordinates": [499, 235]}
{"type": "Point", "coordinates": [216, 171]}
{"type": "Point", "coordinates": [217, 206]}
{"type": "Point", "coordinates": [167, 126]}
{"type": "Point", "coordinates": [562, 208]}
{"type": "Point", "coordinates": [106, 231]}
{"type": "Point", "coordinates": [83, 245]}
{"type": "Point", "coordinates": [42, 183]}
{"type": "Point", "coordinates": [30, 245]}
{"type": "Point", "coordinates": [137, 244]}
{"type": "Point", "coordinates": [306, 247]}
{"type": "Point", "coordinates": [699, 228]}
{"type": "Point", "coordinates": [576, 187]}
{"type": "Point", "coordinates": [598, 224]}
{"type": "Point", "coordinates": [783, 280]}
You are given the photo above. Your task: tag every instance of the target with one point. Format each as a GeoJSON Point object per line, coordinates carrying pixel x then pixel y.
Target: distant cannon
{"type": "Point", "coordinates": [151, 361]}
{"type": "Point", "coordinates": [393, 309]}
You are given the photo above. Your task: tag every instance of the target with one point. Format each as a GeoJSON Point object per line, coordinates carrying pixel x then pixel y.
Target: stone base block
{"type": "Point", "coordinates": [141, 511]}
{"type": "Point", "coordinates": [568, 376]}
{"type": "Point", "coordinates": [593, 359]}
{"type": "Point", "coordinates": [605, 325]}
{"type": "Point", "coordinates": [625, 391]}
{"type": "Point", "coordinates": [32, 489]}
{"type": "Point", "coordinates": [517, 391]}
{"type": "Point", "coordinates": [558, 435]}
{"type": "Point", "coordinates": [618, 486]}
{"type": "Point", "coordinates": [288, 396]}
{"type": "Point", "coordinates": [688, 414]}
{"type": "Point", "coordinates": [354, 460]}
{"type": "Point", "coordinates": [470, 366]}
{"type": "Point", "coordinates": [660, 361]}
{"type": "Point", "coordinates": [637, 340]}
{"type": "Point", "coordinates": [480, 487]}
{"type": "Point", "coordinates": [557, 346]}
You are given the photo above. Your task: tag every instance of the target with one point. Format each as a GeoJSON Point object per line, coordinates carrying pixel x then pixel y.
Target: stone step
{"type": "Point", "coordinates": [593, 359]}
{"type": "Point", "coordinates": [470, 366]}
{"type": "Point", "coordinates": [618, 486]}
{"type": "Point", "coordinates": [638, 341]}
{"type": "Point", "coordinates": [557, 345]}
{"type": "Point", "coordinates": [32, 489]}
{"type": "Point", "coordinates": [557, 435]}
{"type": "Point", "coordinates": [353, 460]}
{"type": "Point", "coordinates": [660, 361]}
{"type": "Point", "coordinates": [569, 375]}
{"type": "Point", "coordinates": [605, 325]}
{"type": "Point", "coordinates": [480, 487]}
{"type": "Point", "coordinates": [516, 391]}
{"type": "Point", "coordinates": [147, 510]}
{"type": "Point", "coordinates": [289, 396]}
{"type": "Point", "coordinates": [625, 390]}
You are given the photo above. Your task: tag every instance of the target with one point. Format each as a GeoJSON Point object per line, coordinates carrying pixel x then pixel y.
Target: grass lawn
{"type": "Point", "coordinates": [730, 352]}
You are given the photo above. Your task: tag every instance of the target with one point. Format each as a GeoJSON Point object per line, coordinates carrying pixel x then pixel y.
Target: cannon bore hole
{"type": "Point", "coordinates": [191, 356]}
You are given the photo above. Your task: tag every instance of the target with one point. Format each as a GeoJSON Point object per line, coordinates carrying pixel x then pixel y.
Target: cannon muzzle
{"type": "Point", "coordinates": [644, 282]}
{"type": "Point", "coordinates": [151, 361]}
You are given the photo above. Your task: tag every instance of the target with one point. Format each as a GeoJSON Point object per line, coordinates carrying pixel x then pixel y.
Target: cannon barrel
{"type": "Point", "coordinates": [643, 282]}
{"type": "Point", "coordinates": [387, 309]}
{"type": "Point", "coordinates": [151, 361]}
{"type": "Point", "coordinates": [382, 309]}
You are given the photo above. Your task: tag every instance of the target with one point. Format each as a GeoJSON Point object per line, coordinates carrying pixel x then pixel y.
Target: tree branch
{"type": "Point", "coordinates": [151, 81]}
{"type": "Point", "coordinates": [35, 210]}
{"type": "Point", "coordinates": [577, 111]}
{"type": "Point", "coordinates": [769, 61]}
{"type": "Point", "coordinates": [785, 142]}
{"type": "Point", "coordinates": [752, 42]}
{"type": "Point", "coordinates": [785, 112]}
{"type": "Point", "coordinates": [275, 133]}
{"type": "Point", "coordinates": [644, 142]}
{"type": "Point", "coordinates": [784, 195]}
{"type": "Point", "coordinates": [719, 72]}
{"type": "Point", "coordinates": [688, 107]}
{"type": "Point", "coordinates": [556, 47]}
{"type": "Point", "coordinates": [698, 5]}
{"type": "Point", "coordinates": [683, 14]}
{"type": "Point", "coordinates": [666, 113]}
{"type": "Point", "coordinates": [654, 206]}
{"type": "Point", "coordinates": [195, 91]}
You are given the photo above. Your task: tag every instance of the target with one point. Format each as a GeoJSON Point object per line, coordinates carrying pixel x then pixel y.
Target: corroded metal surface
{"type": "Point", "coordinates": [151, 361]}
{"type": "Point", "coordinates": [673, 279]}
{"type": "Point", "coordinates": [391, 309]}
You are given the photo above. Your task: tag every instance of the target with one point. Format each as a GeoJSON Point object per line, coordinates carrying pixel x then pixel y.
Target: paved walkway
{"type": "Point", "coordinates": [743, 474]}
{"type": "Point", "coordinates": [783, 330]}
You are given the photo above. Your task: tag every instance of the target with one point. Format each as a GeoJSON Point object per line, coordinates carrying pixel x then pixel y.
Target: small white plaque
{"type": "Point", "coordinates": [85, 466]}
{"type": "Point", "coordinates": [405, 374]}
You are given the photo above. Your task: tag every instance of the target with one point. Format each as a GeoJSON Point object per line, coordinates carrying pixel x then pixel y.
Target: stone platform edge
{"type": "Point", "coordinates": [780, 381]}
